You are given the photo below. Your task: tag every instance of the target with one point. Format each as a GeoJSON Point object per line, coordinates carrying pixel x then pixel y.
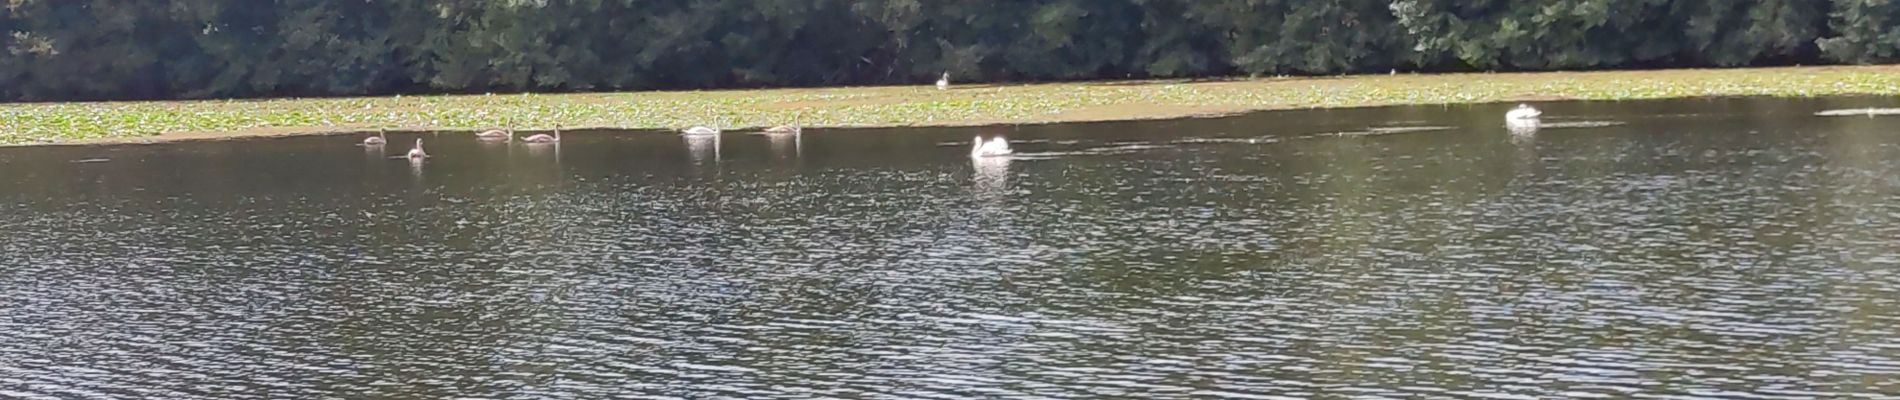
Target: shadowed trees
{"type": "Point", "coordinates": [98, 49]}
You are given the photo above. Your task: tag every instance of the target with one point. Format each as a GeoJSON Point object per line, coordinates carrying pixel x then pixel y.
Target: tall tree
{"type": "Point", "coordinates": [1864, 31]}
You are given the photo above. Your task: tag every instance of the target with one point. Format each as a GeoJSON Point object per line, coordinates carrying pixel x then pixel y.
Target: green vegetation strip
{"type": "Point", "coordinates": [30, 123]}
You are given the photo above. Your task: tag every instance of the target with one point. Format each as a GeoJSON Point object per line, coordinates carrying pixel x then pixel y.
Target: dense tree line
{"type": "Point", "coordinates": [114, 49]}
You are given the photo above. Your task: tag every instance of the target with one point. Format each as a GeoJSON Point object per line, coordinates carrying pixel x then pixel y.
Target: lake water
{"type": "Point", "coordinates": [1678, 249]}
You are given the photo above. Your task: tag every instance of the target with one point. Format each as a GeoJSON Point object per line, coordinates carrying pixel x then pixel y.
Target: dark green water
{"type": "Point", "coordinates": [1684, 249]}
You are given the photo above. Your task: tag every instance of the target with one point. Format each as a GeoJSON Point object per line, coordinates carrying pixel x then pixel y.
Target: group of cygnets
{"type": "Point", "coordinates": [1523, 116]}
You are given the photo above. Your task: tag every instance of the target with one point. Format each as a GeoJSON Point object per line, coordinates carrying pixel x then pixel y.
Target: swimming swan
{"type": "Point", "coordinates": [377, 140]}
{"type": "Point", "coordinates": [1523, 112]}
{"type": "Point", "coordinates": [994, 147]}
{"type": "Point", "coordinates": [417, 153]}
{"type": "Point", "coordinates": [792, 129]}
{"type": "Point", "coordinates": [507, 134]}
{"type": "Point", "coordinates": [544, 138]}
{"type": "Point", "coordinates": [700, 131]}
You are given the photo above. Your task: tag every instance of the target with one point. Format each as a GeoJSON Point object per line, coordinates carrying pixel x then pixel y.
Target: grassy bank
{"type": "Point", "coordinates": [899, 105]}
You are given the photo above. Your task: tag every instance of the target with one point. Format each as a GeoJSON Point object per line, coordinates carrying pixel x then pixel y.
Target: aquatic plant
{"type": "Point", "coordinates": [22, 123]}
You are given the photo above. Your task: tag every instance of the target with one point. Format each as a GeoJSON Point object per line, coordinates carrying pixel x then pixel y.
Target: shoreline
{"type": "Point", "coordinates": [152, 122]}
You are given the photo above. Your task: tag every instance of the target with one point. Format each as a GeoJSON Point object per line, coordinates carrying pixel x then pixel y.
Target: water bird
{"type": "Point", "coordinates": [507, 134]}
{"type": "Point", "coordinates": [792, 129]}
{"type": "Point", "coordinates": [1523, 112]}
{"type": "Point", "coordinates": [417, 153]}
{"type": "Point", "coordinates": [995, 147]}
{"type": "Point", "coordinates": [377, 140]}
{"type": "Point", "coordinates": [784, 130]}
{"type": "Point", "coordinates": [700, 131]}
{"type": "Point", "coordinates": [544, 138]}
{"type": "Point", "coordinates": [944, 82]}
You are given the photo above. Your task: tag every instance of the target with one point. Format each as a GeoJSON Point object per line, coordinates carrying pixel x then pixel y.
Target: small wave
{"type": "Point", "coordinates": [1406, 129]}
{"type": "Point", "coordinates": [1580, 124]}
{"type": "Point", "coordinates": [1125, 148]}
{"type": "Point", "coordinates": [1099, 151]}
{"type": "Point", "coordinates": [1029, 141]}
{"type": "Point", "coordinates": [1037, 156]}
{"type": "Point", "coordinates": [1851, 112]}
{"type": "Point", "coordinates": [1391, 130]}
{"type": "Point", "coordinates": [1253, 140]}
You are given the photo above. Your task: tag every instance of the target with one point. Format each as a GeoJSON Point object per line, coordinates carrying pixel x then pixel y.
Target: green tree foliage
{"type": "Point", "coordinates": [1307, 37]}
{"type": "Point", "coordinates": [1863, 31]}
{"type": "Point", "coordinates": [1737, 32]}
{"type": "Point", "coordinates": [102, 49]}
{"type": "Point", "coordinates": [1510, 34]}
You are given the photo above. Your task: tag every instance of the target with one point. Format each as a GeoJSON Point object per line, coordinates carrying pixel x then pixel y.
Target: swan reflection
{"type": "Point", "coordinates": [787, 146]}
{"type": "Point", "coordinates": [702, 148]}
{"type": "Point", "coordinates": [375, 154]}
{"type": "Point", "coordinates": [545, 154]}
{"type": "Point", "coordinates": [992, 176]}
{"type": "Point", "coordinates": [415, 167]}
{"type": "Point", "coordinates": [1520, 127]}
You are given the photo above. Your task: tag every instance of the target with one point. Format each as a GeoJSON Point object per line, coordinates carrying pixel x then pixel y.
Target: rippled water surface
{"type": "Point", "coordinates": [1688, 249]}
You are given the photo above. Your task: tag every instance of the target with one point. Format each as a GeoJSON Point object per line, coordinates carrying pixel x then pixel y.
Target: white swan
{"type": "Point", "coordinates": [1523, 112]}
{"type": "Point", "coordinates": [700, 131]}
{"type": "Point", "coordinates": [784, 130]}
{"type": "Point", "coordinates": [994, 147]}
{"type": "Point", "coordinates": [544, 138]}
{"type": "Point", "coordinates": [944, 82]}
{"type": "Point", "coordinates": [507, 134]}
{"type": "Point", "coordinates": [377, 140]}
{"type": "Point", "coordinates": [792, 129]}
{"type": "Point", "coordinates": [417, 153]}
